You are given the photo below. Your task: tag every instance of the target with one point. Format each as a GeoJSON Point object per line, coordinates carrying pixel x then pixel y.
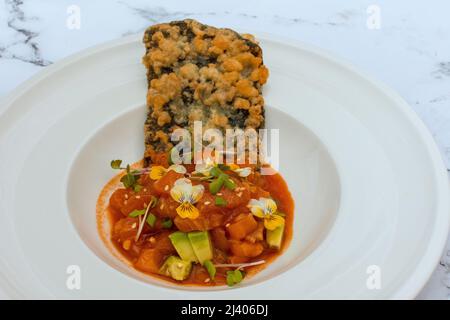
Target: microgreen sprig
{"type": "Point", "coordinates": [167, 223]}
{"type": "Point", "coordinates": [130, 179]}
{"type": "Point", "coordinates": [220, 202]}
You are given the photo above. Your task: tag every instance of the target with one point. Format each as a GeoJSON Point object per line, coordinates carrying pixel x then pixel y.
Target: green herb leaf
{"type": "Point", "coordinates": [230, 279]}
{"type": "Point", "coordinates": [220, 202]}
{"type": "Point", "coordinates": [185, 157]}
{"type": "Point", "coordinates": [169, 160]}
{"type": "Point", "coordinates": [234, 277]}
{"type": "Point", "coordinates": [167, 223]}
{"type": "Point", "coordinates": [151, 219]}
{"type": "Point", "coordinates": [137, 213]}
{"type": "Point", "coordinates": [130, 179]}
{"type": "Point", "coordinates": [115, 164]}
{"type": "Point", "coordinates": [210, 268]}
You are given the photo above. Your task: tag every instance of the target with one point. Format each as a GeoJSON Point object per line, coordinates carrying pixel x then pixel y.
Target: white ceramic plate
{"type": "Point", "coordinates": [369, 185]}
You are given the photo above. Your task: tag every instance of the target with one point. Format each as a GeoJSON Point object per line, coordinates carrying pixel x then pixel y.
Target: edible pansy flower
{"type": "Point", "coordinates": [157, 172]}
{"type": "Point", "coordinates": [242, 172]}
{"type": "Point", "coordinates": [266, 209]}
{"type": "Point", "coordinates": [187, 195]}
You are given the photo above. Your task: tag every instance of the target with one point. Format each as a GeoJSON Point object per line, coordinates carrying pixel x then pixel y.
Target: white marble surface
{"type": "Point", "coordinates": [409, 52]}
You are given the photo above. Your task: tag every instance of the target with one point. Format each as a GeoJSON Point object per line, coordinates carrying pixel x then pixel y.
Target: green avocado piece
{"type": "Point", "coordinates": [275, 237]}
{"type": "Point", "coordinates": [183, 246]}
{"type": "Point", "coordinates": [202, 245]}
{"type": "Point", "coordinates": [176, 268]}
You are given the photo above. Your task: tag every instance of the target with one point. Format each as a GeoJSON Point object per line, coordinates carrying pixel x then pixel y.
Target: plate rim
{"type": "Point", "coordinates": [427, 263]}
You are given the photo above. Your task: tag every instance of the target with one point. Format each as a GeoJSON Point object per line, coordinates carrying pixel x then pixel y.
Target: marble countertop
{"type": "Point", "coordinates": [402, 43]}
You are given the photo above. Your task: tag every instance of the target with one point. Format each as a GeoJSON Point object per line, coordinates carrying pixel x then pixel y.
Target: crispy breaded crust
{"type": "Point", "coordinates": [198, 72]}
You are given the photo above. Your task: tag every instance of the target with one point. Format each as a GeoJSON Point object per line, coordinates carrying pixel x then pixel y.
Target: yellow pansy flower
{"type": "Point", "coordinates": [266, 209]}
{"type": "Point", "coordinates": [186, 194]}
{"type": "Point", "coordinates": [157, 172]}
